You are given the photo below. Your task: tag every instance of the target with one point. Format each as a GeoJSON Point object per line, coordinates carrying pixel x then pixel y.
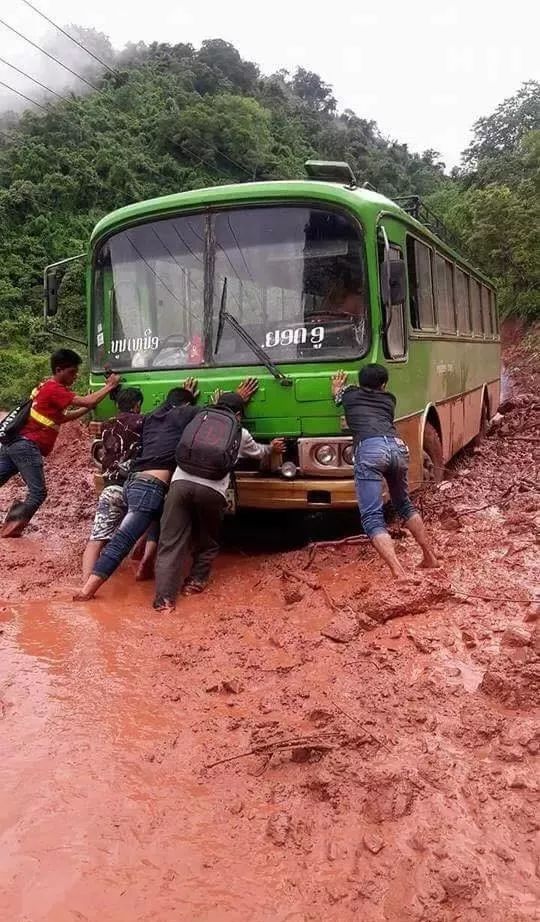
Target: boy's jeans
{"type": "Point", "coordinates": [144, 500]}
{"type": "Point", "coordinates": [24, 457]}
{"type": "Point", "coordinates": [376, 460]}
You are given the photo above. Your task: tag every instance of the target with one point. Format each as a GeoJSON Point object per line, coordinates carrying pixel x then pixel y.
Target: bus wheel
{"type": "Point", "coordinates": [433, 467]}
{"type": "Point", "coordinates": [484, 425]}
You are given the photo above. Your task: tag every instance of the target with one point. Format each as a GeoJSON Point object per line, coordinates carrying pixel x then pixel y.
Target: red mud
{"type": "Point", "coordinates": [300, 743]}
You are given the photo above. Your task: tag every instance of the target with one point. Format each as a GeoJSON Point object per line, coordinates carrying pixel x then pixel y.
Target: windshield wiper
{"type": "Point", "coordinates": [247, 338]}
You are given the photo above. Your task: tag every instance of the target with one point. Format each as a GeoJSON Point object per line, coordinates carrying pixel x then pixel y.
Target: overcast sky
{"type": "Point", "coordinates": [424, 70]}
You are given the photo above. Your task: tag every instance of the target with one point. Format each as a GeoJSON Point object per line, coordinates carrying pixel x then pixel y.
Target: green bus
{"type": "Point", "coordinates": [289, 282]}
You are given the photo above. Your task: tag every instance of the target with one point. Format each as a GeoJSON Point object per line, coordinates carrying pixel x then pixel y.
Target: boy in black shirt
{"type": "Point", "coordinates": [379, 454]}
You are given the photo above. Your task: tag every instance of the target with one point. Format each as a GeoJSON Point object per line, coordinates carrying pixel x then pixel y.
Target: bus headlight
{"type": "Point", "coordinates": [325, 454]}
{"type": "Point", "coordinates": [348, 454]}
{"type": "Point", "coordinates": [288, 470]}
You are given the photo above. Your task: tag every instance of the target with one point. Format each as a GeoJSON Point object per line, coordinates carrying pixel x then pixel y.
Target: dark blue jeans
{"type": "Point", "coordinates": [377, 460]}
{"type": "Point", "coordinates": [24, 457]}
{"type": "Point", "coordinates": [144, 500]}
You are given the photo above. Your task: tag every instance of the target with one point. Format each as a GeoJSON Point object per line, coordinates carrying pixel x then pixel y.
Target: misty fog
{"type": "Point", "coordinates": [23, 56]}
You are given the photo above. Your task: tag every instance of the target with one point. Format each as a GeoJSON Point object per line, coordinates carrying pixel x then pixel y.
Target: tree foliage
{"type": "Point", "coordinates": [172, 118]}
{"type": "Point", "coordinates": [493, 206]}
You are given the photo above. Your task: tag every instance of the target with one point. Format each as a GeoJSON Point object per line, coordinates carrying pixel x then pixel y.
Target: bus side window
{"type": "Point", "coordinates": [396, 333]}
{"type": "Point", "coordinates": [462, 302]}
{"type": "Point", "coordinates": [476, 309]}
{"type": "Point", "coordinates": [486, 312]}
{"type": "Point", "coordinates": [494, 314]}
{"type": "Point", "coordinates": [444, 288]}
{"type": "Point", "coordinates": [420, 285]}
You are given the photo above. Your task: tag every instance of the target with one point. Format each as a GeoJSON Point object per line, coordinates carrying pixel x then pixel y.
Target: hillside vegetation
{"type": "Point", "coordinates": [169, 118]}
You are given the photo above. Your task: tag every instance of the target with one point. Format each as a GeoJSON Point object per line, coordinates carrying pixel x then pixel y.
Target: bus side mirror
{"type": "Point", "coordinates": [393, 281]}
{"type": "Point", "coordinates": [50, 292]}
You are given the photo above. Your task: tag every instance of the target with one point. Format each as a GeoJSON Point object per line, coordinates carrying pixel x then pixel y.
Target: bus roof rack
{"type": "Point", "coordinates": [414, 206]}
{"type": "Point", "coordinates": [331, 171]}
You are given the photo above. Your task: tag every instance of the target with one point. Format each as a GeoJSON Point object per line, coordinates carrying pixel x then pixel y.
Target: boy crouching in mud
{"type": "Point", "coordinates": [379, 454]}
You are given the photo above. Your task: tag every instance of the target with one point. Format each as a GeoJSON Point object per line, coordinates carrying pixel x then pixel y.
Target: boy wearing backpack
{"type": "Point", "coordinates": [31, 434]}
{"type": "Point", "coordinates": [209, 447]}
{"type": "Point", "coordinates": [120, 438]}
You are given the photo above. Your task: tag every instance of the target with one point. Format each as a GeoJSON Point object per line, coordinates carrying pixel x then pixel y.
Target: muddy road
{"type": "Point", "coordinates": [301, 743]}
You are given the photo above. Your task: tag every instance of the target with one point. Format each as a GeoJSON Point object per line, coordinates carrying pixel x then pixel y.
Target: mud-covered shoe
{"type": "Point", "coordinates": [160, 603]}
{"type": "Point", "coordinates": [193, 587]}
{"type": "Point", "coordinates": [13, 528]}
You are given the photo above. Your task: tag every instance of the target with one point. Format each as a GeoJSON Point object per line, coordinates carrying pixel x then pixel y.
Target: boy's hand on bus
{"type": "Point", "coordinates": [247, 388]}
{"type": "Point", "coordinates": [216, 395]}
{"type": "Point", "coordinates": [113, 380]}
{"type": "Point", "coordinates": [191, 384]}
{"type": "Point", "coordinates": [277, 446]}
{"type": "Point", "coordinates": [339, 380]}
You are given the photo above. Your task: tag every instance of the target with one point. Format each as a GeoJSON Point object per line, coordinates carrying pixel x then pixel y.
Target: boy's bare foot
{"type": "Point", "coordinates": [82, 596]}
{"type": "Point", "coordinates": [429, 562]}
{"type": "Point", "coordinates": [408, 579]}
{"type": "Point", "coordinates": [89, 589]}
{"type": "Point", "coordinates": [145, 570]}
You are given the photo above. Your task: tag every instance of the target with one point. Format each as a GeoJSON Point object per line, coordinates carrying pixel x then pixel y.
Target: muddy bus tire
{"type": "Point", "coordinates": [484, 426]}
{"type": "Point", "coordinates": [433, 465]}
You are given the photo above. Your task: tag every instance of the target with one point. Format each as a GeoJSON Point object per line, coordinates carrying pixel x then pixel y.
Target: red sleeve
{"type": "Point", "coordinates": [59, 396]}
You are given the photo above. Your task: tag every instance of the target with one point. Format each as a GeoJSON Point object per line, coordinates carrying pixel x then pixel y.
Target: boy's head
{"type": "Point", "coordinates": [129, 400]}
{"type": "Point", "coordinates": [65, 366]}
{"type": "Point", "coordinates": [179, 397]}
{"type": "Point", "coordinates": [232, 401]}
{"type": "Point", "coordinates": [373, 376]}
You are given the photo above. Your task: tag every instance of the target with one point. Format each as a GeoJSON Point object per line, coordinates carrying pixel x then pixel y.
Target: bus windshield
{"type": "Point", "coordinates": [292, 277]}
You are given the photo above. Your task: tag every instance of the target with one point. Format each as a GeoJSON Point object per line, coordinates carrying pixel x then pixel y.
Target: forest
{"type": "Point", "coordinates": [162, 118]}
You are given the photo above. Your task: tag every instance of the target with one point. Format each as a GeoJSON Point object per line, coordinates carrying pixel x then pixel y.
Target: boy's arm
{"type": "Point", "coordinates": [90, 401]}
{"type": "Point", "coordinates": [70, 415]}
{"type": "Point", "coordinates": [249, 448]}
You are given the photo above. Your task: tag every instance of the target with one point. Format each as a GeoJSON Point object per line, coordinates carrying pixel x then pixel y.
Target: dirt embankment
{"type": "Point", "coordinates": [304, 742]}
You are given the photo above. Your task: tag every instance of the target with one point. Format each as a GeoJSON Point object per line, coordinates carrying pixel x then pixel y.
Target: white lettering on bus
{"type": "Point", "coordinates": [297, 336]}
{"type": "Point", "coordinates": [135, 344]}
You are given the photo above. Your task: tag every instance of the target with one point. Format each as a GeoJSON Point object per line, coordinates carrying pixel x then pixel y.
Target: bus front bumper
{"type": "Point", "coordinates": [258, 492]}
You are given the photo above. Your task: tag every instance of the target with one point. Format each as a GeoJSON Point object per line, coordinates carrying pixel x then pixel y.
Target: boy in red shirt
{"type": "Point", "coordinates": [24, 454]}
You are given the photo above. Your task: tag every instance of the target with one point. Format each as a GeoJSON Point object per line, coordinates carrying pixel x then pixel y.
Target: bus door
{"type": "Point", "coordinates": [392, 290]}
{"type": "Point", "coordinates": [394, 342]}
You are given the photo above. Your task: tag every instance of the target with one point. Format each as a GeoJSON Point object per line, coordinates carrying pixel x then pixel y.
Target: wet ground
{"type": "Point", "coordinates": [301, 743]}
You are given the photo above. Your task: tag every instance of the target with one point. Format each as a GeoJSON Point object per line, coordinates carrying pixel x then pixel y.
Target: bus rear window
{"type": "Point", "coordinates": [292, 276]}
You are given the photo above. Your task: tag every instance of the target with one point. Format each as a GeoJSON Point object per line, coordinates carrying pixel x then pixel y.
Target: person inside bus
{"type": "Point", "coordinates": [379, 455]}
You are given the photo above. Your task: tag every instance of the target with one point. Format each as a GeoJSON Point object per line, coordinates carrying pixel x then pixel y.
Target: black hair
{"type": "Point", "coordinates": [231, 401]}
{"type": "Point", "coordinates": [373, 376]}
{"type": "Point", "coordinates": [64, 358]}
{"type": "Point", "coordinates": [128, 398]}
{"type": "Point", "coordinates": [179, 396]}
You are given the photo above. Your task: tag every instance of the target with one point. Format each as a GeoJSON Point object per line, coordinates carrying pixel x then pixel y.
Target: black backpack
{"type": "Point", "coordinates": [209, 444]}
{"type": "Point", "coordinates": [12, 424]}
